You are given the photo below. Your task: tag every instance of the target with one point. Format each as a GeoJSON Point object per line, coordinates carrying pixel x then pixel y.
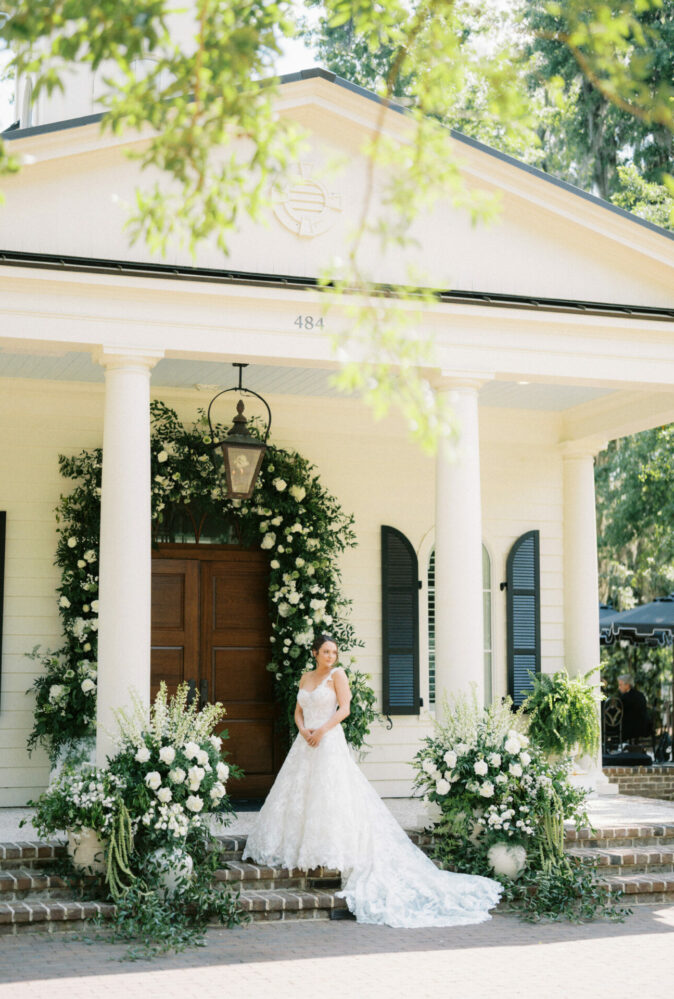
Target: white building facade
{"type": "Point", "coordinates": [555, 335]}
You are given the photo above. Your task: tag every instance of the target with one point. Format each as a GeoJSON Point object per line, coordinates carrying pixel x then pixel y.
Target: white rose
{"type": "Point", "coordinates": [162, 456]}
{"type": "Point", "coordinates": [487, 789]}
{"type": "Point", "coordinates": [284, 609]}
{"type": "Point", "coordinates": [143, 754]}
{"type": "Point", "coordinates": [268, 540]}
{"type": "Point", "coordinates": [64, 602]}
{"type": "Point", "coordinates": [515, 769]}
{"type": "Point", "coordinates": [194, 803]}
{"type": "Point", "coordinates": [442, 787]}
{"type": "Point", "coordinates": [450, 758]}
{"type": "Point", "coordinates": [81, 563]}
{"type": "Point", "coordinates": [55, 691]}
{"type": "Point", "coordinates": [191, 749]}
{"type": "Point", "coordinates": [495, 759]}
{"type": "Point", "coordinates": [525, 759]}
{"type": "Point", "coordinates": [222, 771]}
{"type": "Point", "coordinates": [294, 597]}
{"type": "Point", "coordinates": [277, 521]}
{"type": "Point", "coordinates": [153, 779]}
{"type": "Point", "coordinates": [298, 493]}
{"type": "Point", "coordinates": [501, 779]}
{"type": "Point", "coordinates": [177, 776]}
{"type": "Point", "coordinates": [167, 754]}
{"type": "Point", "coordinates": [480, 768]}
{"type": "Point", "coordinates": [196, 775]}
{"type": "Point", "coordinates": [217, 791]}
{"type": "Point", "coordinates": [279, 484]}
{"type": "Point", "coordinates": [87, 686]}
{"type": "Point", "coordinates": [299, 562]}
{"type": "Point", "coordinates": [275, 564]}
{"type": "Point", "coordinates": [512, 746]}
{"type": "Point", "coordinates": [90, 555]}
{"type": "Point", "coordinates": [94, 606]}
{"type": "Point", "coordinates": [72, 542]}
{"type": "Point", "coordinates": [202, 758]}
{"type": "Point", "coordinates": [216, 742]}
{"type": "Point", "coordinates": [164, 794]}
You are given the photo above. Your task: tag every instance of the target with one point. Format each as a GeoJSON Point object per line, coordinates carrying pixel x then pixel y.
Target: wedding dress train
{"type": "Point", "coordinates": [322, 812]}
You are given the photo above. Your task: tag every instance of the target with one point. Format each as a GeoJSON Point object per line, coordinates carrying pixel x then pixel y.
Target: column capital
{"type": "Point", "coordinates": [586, 447]}
{"type": "Point", "coordinates": [445, 379]}
{"type": "Point", "coordinates": [111, 357]}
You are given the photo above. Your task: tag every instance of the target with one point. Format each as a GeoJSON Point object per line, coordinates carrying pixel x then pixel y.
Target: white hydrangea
{"type": "Point", "coordinates": [525, 759]}
{"type": "Point", "coordinates": [167, 755]}
{"type": "Point", "coordinates": [512, 745]}
{"type": "Point", "coordinates": [428, 765]}
{"type": "Point", "coordinates": [450, 758]}
{"type": "Point", "coordinates": [64, 602]}
{"type": "Point", "coordinates": [279, 484]}
{"type": "Point", "coordinates": [143, 754]}
{"type": "Point", "coordinates": [284, 609]}
{"type": "Point", "coordinates": [216, 742]}
{"type": "Point", "coordinates": [487, 789]}
{"type": "Point", "coordinates": [153, 780]}
{"type": "Point", "coordinates": [462, 748]}
{"type": "Point", "coordinates": [501, 779]}
{"type": "Point", "coordinates": [202, 758]}
{"type": "Point", "coordinates": [298, 493]}
{"type": "Point", "coordinates": [222, 771]}
{"type": "Point", "coordinates": [177, 776]}
{"type": "Point", "coordinates": [191, 750]}
{"type": "Point", "coordinates": [194, 803]}
{"type": "Point", "coordinates": [515, 769]}
{"type": "Point", "coordinates": [294, 597]}
{"type": "Point", "coordinates": [442, 786]}
{"type": "Point", "coordinates": [164, 794]}
{"type": "Point", "coordinates": [480, 767]}
{"type": "Point", "coordinates": [217, 791]}
{"type": "Point", "coordinates": [494, 759]}
{"type": "Point", "coordinates": [55, 691]}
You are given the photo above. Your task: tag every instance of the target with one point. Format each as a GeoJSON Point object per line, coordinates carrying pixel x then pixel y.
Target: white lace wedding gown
{"type": "Point", "coordinates": [322, 812]}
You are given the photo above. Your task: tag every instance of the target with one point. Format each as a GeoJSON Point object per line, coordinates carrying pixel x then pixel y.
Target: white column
{"type": "Point", "coordinates": [459, 629]}
{"type": "Point", "coordinates": [581, 579]}
{"type": "Point", "coordinates": [125, 571]}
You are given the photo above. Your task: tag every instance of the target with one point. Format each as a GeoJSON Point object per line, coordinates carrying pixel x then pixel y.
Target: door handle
{"type": "Point", "coordinates": [191, 691]}
{"type": "Point", "coordinates": [203, 693]}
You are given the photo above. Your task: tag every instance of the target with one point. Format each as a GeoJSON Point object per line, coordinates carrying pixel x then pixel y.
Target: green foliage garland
{"type": "Point", "coordinates": [291, 516]}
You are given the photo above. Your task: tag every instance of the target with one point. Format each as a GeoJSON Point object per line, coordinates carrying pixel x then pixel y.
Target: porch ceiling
{"type": "Point", "coordinates": [77, 366]}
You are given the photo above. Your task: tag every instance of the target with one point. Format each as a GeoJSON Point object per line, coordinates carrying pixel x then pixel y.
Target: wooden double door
{"type": "Point", "coordinates": [210, 628]}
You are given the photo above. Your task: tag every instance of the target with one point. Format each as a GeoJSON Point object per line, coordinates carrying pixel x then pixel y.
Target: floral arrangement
{"type": "Point", "coordinates": [498, 807]}
{"type": "Point", "coordinates": [153, 808]}
{"type": "Point", "coordinates": [290, 515]}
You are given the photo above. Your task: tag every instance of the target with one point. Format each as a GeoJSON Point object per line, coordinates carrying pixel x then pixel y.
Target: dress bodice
{"type": "Point", "coordinates": [318, 704]}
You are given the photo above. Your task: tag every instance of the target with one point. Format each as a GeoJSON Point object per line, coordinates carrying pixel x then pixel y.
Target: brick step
{"type": "Point", "coordinates": [654, 834]}
{"type": "Point", "coordinates": [285, 903]}
{"type": "Point", "coordinates": [30, 853]}
{"type": "Point", "coordinates": [34, 884]}
{"type": "Point", "coordinates": [50, 915]}
{"type": "Point", "coordinates": [626, 859]}
{"type": "Point", "coordinates": [641, 889]}
{"type": "Point", "coordinates": [250, 876]}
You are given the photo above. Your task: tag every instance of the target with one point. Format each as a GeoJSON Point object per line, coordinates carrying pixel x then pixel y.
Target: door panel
{"type": "Point", "coordinates": [236, 650]}
{"type": "Point", "coordinates": [210, 622]}
{"type": "Point", "coordinates": [175, 623]}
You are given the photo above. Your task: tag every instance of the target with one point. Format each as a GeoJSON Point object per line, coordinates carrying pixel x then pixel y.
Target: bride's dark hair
{"type": "Point", "coordinates": [320, 640]}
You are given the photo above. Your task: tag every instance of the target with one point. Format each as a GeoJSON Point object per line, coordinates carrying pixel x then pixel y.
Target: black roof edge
{"type": "Point", "coordinates": [137, 268]}
{"type": "Point", "coordinates": [324, 74]}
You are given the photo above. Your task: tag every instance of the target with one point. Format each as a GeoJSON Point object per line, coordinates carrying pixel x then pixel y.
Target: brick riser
{"type": "Point", "coordinates": [643, 782]}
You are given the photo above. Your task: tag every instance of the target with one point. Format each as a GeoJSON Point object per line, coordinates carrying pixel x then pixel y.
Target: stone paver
{"type": "Point", "coordinates": [501, 959]}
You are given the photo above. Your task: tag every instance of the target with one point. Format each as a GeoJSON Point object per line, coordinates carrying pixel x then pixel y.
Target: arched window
{"type": "Point", "coordinates": [487, 612]}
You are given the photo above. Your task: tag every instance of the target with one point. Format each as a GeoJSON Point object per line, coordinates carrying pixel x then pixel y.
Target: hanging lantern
{"type": "Point", "coordinates": [242, 453]}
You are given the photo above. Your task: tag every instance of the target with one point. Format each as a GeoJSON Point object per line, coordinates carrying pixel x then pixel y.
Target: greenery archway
{"type": "Point", "coordinates": [291, 515]}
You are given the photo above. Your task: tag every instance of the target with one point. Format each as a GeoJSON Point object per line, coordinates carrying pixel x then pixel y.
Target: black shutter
{"type": "Point", "coordinates": [524, 614]}
{"type": "Point", "coordinates": [400, 623]}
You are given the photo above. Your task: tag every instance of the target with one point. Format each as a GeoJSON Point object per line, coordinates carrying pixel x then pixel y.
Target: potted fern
{"type": "Point", "coordinates": [563, 716]}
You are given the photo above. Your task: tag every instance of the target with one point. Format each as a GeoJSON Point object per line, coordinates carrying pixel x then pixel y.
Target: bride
{"type": "Point", "coordinates": [322, 812]}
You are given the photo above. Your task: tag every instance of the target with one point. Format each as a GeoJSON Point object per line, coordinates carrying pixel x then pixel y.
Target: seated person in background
{"type": "Point", "coordinates": [636, 718]}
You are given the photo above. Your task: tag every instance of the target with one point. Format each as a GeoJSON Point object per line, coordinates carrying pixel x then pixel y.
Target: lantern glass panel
{"type": "Point", "coordinates": [242, 463]}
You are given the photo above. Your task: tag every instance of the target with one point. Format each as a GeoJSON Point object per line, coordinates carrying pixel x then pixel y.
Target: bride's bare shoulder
{"type": "Point", "coordinates": [304, 677]}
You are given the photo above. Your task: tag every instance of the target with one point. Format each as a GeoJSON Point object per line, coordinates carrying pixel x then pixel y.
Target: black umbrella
{"type": "Point", "coordinates": [607, 614]}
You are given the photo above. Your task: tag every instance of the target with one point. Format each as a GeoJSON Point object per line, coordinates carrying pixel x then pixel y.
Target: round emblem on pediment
{"type": "Point", "coordinates": [305, 206]}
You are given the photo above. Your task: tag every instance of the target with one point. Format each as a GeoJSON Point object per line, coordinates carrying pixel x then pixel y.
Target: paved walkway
{"type": "Point", "coordinates": [501, 959]}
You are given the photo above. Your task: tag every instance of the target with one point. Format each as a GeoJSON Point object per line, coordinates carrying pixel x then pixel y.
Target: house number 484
{"type": "Point", "coordinates": [309, 323]}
